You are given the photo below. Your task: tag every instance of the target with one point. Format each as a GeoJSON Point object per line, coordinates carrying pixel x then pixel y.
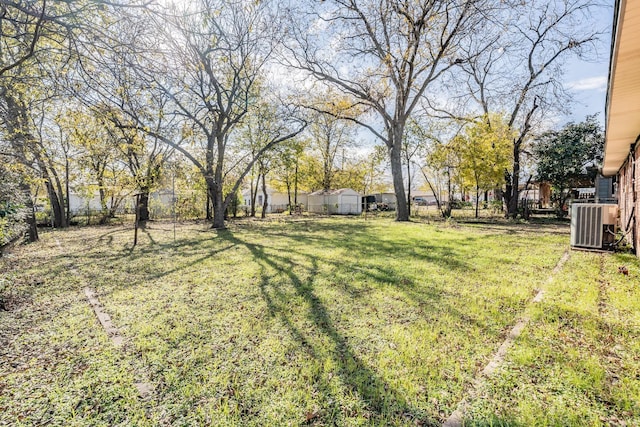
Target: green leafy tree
{"type": "Point", "coordinates": [569, 157]}
{"type": "Point", "coordinates": [39, 40]}
{"type": "Point", "coordinates": [443, 162]}
{"type": "Point", "coordinates": [329, 135]}
{"type": "Point", "coordinates": [287, 168]}
{"type": "Point", "coordinates": [520, 68]}
{"type": "Point", "coordinates": [484, 153]}
{"type": "Point", "coordinates": [102, 161]}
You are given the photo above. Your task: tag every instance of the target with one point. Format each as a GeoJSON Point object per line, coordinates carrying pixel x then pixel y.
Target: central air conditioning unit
{"type": "Point", "coordinates": [593, 226]}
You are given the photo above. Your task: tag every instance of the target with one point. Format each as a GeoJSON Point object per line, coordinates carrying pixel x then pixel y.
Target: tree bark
{"type": "Point", "coordinates": [144, 205]}
{"type": "Point", "coordinates": [265, 202]}
{"type": "Point", "coordinates": [66, 188]}
{"type": "Point", "coordinates": [289, 197]}
{"type": "Point", "coordinates": [447, 213]}
{"type": "Point", "coordinates": [512, 193]}
{"type": "Point", "coordinates": [32, 226]}
{"type": "Point", "coordinates": [295, 185]}
{"type": "Point", "coordinates": [215, 193]}
{"type": "Point", "coordinates": [57, 207]}
{"type": "Point", "coordinates": [253, 192]}
{"type": "Point", "coordinates": [408, 188]}
{"type": "Point", "coordinates": [395, 155]}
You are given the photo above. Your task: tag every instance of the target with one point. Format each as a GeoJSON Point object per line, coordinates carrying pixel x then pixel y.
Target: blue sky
{"type": "Point", "coordinates": [588, 80]}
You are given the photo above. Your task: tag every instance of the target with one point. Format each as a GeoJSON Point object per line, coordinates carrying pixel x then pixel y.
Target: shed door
{"type": "Point", "coordinates": [349, 204]}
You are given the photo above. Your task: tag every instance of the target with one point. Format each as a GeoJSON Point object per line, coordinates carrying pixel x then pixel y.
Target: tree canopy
{"type": "Point", "coordinates": [569, 157]}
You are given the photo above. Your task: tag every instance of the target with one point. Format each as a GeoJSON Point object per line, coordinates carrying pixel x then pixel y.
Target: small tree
{"type": "Point", "coordinates": [287, 169]}
{"type": "Point", "coordinates": [444, 160]}
{"type": "Point", "coordinates": [484, 151]}
{"type": "Point", "coordinates": [413, 145]}
{"type": "Point", "coordinates": [564, 157]}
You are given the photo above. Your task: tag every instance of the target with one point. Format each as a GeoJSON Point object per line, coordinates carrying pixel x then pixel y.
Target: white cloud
{"type": "Point", "coordinates": [590, 83]}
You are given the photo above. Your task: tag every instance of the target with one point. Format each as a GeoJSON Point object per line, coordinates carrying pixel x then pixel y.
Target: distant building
{"type": "Point", "coordinates": [380, 201]}
{"type": "Point", "coordinates": [344, 201]}
{"type": "Point", "coordinates": [277, 201]}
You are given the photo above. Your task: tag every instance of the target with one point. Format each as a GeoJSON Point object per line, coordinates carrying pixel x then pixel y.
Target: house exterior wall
{"type": "Point", "coordinates": [79, 204]}
{"type": "Point", "coordinates": [316, 203]}
{"type": "Point", "coordinates": [628, 193]}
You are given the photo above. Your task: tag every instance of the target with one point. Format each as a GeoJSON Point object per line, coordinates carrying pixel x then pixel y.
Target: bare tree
{"type": "Point", "coordinates": [386, 55]}
{"type": "Point", "coordinates": [329, 135]}
{"type": "Point", "coordinates": [214, 55]}
{"type": "Point", "coordinates": [520, 71]}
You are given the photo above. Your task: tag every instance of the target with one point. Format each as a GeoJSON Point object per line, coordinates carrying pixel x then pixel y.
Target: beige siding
{"type": "Point", "coordinates": [626, 193]}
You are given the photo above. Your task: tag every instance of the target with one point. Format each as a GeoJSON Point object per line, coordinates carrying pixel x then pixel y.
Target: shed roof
{"type": "Point", "coordinates": [333, 192]}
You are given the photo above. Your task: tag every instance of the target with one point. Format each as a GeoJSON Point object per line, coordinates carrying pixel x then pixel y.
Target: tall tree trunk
{"type": "Point", "coordinates": [219, 208]}
{"type": "Point", "coordinates": [218, 211]}
{"type": "Point", "coordinates": [144, 204]}
{"type": "Point", "coordinates": [64, 217]}
{"type": "Point", "coordinates": [295, 185]}
{"type": "Point", "coordinates": [408, 188]}
{"type": "Point", "coordinates": [289, 196]}
{"type": "Point", "coordinates": [104, 214]}
{"type": "Point", "coordinates": [327, 166]}
{"type": "Point", "coordinates": [265, 202]}
{"type": "Point", "coordinates": [449, 207]}
{"type": "Point", "coordinates": [66, 189]}
{"type": "Point", "coordinates": [402, 212]}
{"type": "Point", "coordinates": [32, 226]}
{"type": "Point", "coordinates": [511, 195]}
{"type": "Point", "coordinates": [57, 206]}
{"type": "Point", "coordinates": [477, 199]}
{"type": "Point", "coordinates": [253, 193]}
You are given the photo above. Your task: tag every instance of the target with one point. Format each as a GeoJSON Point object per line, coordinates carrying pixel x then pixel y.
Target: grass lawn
{"type": "Point", "coordinates": [325, 321]}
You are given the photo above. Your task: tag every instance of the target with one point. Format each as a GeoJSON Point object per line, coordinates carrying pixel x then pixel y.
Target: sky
{"type": "Point", "coordinates": [588, 80]}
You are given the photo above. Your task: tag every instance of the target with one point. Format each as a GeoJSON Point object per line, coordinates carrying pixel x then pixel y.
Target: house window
{"type": "Point", "coordinates": [260, 199]}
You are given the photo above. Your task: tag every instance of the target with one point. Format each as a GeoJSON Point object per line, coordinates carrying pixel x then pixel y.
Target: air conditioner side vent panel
{"type": "Point", "coordinates": [589, 222]}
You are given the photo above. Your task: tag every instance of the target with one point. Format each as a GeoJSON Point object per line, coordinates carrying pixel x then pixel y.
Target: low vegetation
{"type": "Point", "coordinates": [336, 321]}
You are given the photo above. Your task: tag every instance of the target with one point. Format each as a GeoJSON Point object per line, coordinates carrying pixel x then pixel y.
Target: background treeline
{"type": "Point", "coordinates": [112, 99]}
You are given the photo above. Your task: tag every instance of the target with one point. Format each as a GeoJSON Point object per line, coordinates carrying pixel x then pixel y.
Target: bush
{"type": "Point", "coordinates": [459, 204]}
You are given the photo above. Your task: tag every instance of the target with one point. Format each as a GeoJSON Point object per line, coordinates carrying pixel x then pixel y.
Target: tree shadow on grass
{"type": "Point", "coordinates": [362, 238]}
{"type": "Point", "coordinates": [184, 248]}
{"type": "Point", "coordinates": [380, 400]}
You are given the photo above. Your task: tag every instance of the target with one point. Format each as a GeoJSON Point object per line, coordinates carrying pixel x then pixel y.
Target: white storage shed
{"type": "Point", "coordinates": [344, 201]}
